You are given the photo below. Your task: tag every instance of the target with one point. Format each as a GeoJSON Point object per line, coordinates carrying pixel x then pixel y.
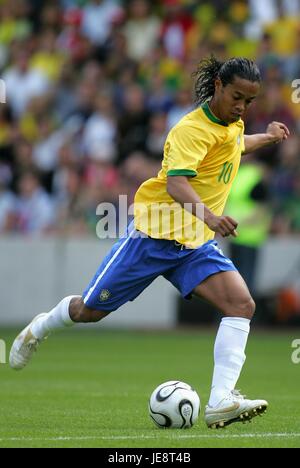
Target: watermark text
{"type": "Point", "coordinates": [296, 354]}
{"type": "Point", "coordinates": [2, 352]}
{"type": "Point", "coordinates": [2, 92]}
{"type": "Point", "coordinates": [158, 220]}
{"type": "Point", "coordinates": [296, 93]}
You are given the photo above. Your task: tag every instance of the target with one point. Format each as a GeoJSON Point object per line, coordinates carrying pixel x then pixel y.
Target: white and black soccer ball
{"type": "Point", "coordinates": [174, 404]}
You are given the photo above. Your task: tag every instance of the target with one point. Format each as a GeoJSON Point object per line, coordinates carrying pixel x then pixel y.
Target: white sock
{"type": "Point", "coordinates": [229, 355]}
{"type": "Point", "coordinates": [56, 319]}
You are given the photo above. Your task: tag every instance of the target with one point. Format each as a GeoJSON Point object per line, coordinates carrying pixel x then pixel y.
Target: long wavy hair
{"type": "Point", "coordinates": [210, 68]}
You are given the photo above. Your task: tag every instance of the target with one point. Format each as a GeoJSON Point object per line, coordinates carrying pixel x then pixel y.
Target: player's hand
{"type": "Point", "coordinates": [277, 132]}
{"type": "Point", "coordinates": [224, 225]}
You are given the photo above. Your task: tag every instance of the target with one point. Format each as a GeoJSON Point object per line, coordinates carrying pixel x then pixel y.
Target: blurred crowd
{"type": "Point", "coordinates": [93, 87]}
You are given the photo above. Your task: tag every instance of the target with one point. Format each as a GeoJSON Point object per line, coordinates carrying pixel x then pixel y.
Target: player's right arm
{"type": "Point", "coordinates": [179, 188]}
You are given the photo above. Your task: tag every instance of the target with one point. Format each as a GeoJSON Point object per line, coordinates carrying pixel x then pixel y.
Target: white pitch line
{"type": "Point", "coordinates": [192, 436]}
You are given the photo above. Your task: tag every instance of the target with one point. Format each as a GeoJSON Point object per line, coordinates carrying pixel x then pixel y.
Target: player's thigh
{"type": "Point", "coordinates": [228, 292]}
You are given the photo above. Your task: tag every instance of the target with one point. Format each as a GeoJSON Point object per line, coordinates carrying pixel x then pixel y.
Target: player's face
{"type": "Point", "coordinates": [235, 98]}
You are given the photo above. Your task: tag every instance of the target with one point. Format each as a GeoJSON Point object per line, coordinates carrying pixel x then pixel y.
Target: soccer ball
{"type": "Point", "coordinates": [174, 404]}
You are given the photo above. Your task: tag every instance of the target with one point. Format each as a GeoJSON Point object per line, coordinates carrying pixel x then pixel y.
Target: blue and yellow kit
{"type": "Point", "coordinates": [175, 244]}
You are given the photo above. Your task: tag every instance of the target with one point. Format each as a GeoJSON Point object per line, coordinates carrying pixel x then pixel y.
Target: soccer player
{"type": "Point", "coordinates": [201, 158]}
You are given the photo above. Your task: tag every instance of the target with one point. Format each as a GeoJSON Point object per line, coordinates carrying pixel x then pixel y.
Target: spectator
{"type": "Point", "coordinates": [269, 62]}
{"type": "Point", "coordinates": [261, 13]}
{"type": "Point", "coordinates": [99, 136]}
{"type": "Point", "coordinates": [98, 16]}
{"type": "Point", "coordinates": [141, 30]}
{"type": "Point", "coordinates": [183, 105]}
{"type": "Point", "coordinates": [71, 39]}
{"type": "Point", "coordinates": [67, 159]}
{"type": "Point", "coordinates": [133, 125]}
{"type": "Point", "coordinates": [284, 31]}
{"type": "Point", "coordinates": [49, 16]}
{"type": "Point", "coordinates": [71, 208]}
{"type": "Point", "coordinates": [64, 101]}
{"type": "Point", "coordinates": [285, 174]}
{"type": "Point", "coordinates": [84, 95]}
{"type": "Point", "coordinates": [136, 169]}
{"type": "Point", "coordinates": [23, 83]}
{"type": "Point", "coordinates": [176, 26]}
{"type": "Point", "coordinates": [292, 61]}
{"type": "Point", "coordinates": [14, 22]}
{"type": "Point", "coordinates": [35, 210]}
{"type": "Point", "coordinates": [22, 159]}
{"type": "Point", "coordinates": [6, 130]}
{"type": "Point", "coordinates": [248, 202]}
{"type": "Point", "coordinates": [157, 136]}
{"type": "Point", "coordinates": [7, 203]}
{"type": "Point", "coordinates": [159, 99]}
{"type": "Point", "coordinates": [48, 59]}
{"type": "Point", "coordinates": [118, 65]}
{"type": "Point", "coordinates": [45, 150]}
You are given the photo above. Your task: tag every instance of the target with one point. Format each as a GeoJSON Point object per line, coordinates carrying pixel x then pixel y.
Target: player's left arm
{"type": "Point", "coordinates": [276, 133]}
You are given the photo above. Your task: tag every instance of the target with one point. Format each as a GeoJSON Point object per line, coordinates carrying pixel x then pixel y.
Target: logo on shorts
{"type": "Point", "coordinates": [104, 295]}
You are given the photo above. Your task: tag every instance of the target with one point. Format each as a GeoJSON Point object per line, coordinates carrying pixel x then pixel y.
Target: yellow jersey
{"type": "Point", "coordinates": [208, 151]}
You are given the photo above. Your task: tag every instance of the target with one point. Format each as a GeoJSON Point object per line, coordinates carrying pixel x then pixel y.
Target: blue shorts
{"type": "Point", "coordinates": [134, 262]}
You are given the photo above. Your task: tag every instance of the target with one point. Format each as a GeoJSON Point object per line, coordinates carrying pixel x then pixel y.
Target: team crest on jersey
{"type": "Point", "coordinates": [104, 295]}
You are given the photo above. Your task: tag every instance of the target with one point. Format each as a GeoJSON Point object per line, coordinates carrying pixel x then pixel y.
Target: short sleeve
{"type": "Point", "coordinates": [241, 137]}
{"type": "Point", "coordinates": [185, 148]}
{"type": "Point", "coordinates": [243, 143]}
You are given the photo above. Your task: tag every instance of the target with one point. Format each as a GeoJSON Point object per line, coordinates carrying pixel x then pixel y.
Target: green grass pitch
{"type": "Point", "coordinates": [90, 388]}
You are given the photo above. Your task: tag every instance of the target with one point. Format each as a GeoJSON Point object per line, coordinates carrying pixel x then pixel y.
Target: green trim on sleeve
{"type": "Point", "coordinates": [182, 172]}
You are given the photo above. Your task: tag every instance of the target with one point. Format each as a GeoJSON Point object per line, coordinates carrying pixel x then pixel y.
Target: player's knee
{"type": "Point", "coordinates": [243, 307]}
{"type": "Point", "coordinates": [246, 308]}
{"type": "Point", "coordinates": [80, 313]}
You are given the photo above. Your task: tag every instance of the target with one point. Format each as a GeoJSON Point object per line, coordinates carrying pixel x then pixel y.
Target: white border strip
{"type": "Point", "coordinates": [260, 435]}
